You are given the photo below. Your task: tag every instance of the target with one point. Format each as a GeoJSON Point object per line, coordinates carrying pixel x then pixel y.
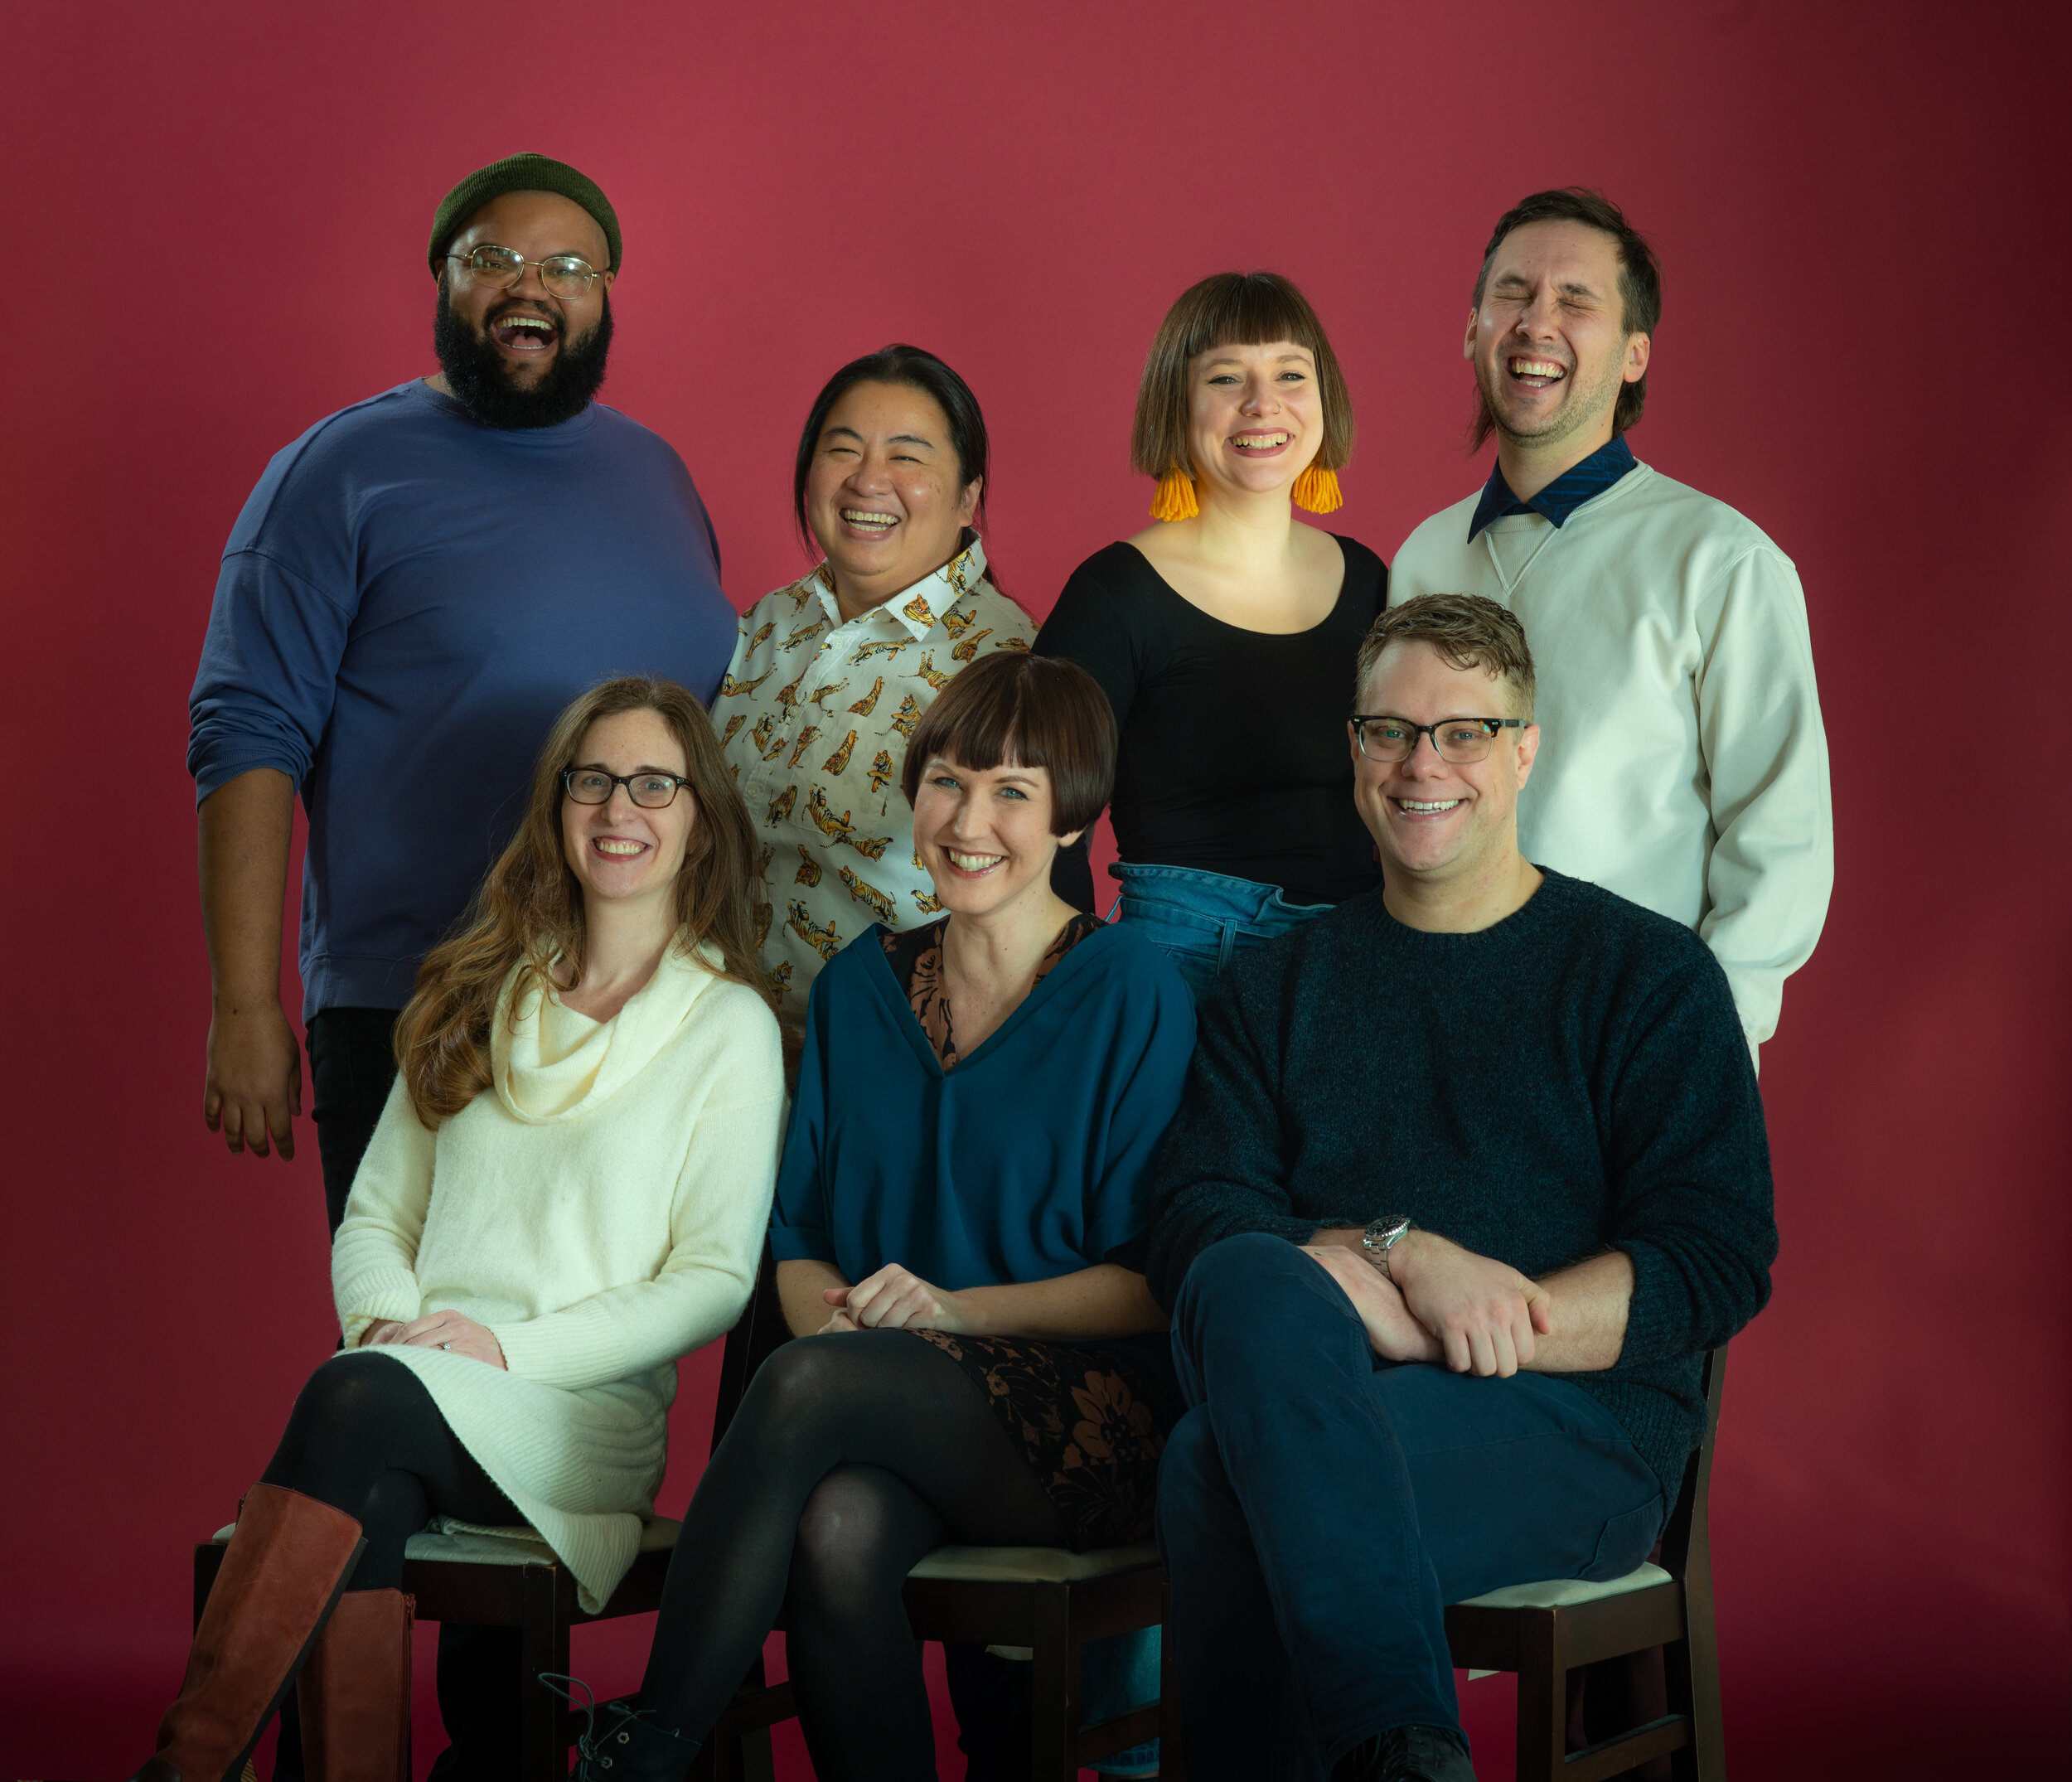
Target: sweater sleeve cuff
{"type": "Point", "coordinates": [1659, 1317]}
{"type": "Point", "coordinates": [567, 1347]}
{"type": "Point", "coordinates": [800, 1243]}
{"type": "Point", "coordinates": [383, 1296]}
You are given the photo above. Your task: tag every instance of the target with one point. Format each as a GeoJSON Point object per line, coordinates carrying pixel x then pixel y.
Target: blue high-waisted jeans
{"type": "Point", "coordinates": [1201, 921]}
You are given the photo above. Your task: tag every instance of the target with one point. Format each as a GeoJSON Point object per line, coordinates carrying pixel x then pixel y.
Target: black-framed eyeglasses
{"type": "Point", "coordinates": [567, 276]}
{"type": "Point", "coordinates": [651, 791]}
{"type": "Point", "coordinates": [1459, 740]}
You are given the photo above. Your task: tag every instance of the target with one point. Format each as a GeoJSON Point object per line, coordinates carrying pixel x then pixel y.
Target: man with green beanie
{"type": "Point", "coordinates": [415, 588]}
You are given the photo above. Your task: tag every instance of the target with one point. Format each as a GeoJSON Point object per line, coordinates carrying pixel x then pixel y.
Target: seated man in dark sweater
{"type": "Point", "coordinates": [1469, 1175]}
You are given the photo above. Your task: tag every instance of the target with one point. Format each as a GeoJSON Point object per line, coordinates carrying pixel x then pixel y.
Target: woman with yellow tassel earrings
{"type": "Point", "coordinates": [1225, 634]}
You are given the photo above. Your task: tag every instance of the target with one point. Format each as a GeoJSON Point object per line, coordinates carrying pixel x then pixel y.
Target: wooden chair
{"type": "Point", "coordinates": [1545, 1631]}
{"type": "Point", "coordinates": [1048, 1601]}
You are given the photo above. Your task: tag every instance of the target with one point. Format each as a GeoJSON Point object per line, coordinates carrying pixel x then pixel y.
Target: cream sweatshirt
{"type": "Point", "coordinates": [1682, 763]}
{"type": "Point", "coordinates": [601, 1208]}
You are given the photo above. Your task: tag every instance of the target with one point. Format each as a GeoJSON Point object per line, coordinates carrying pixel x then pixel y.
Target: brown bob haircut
{"type": "Point", "coordinates": [529, 909]}
{"type": "Point", "coordinates": [1232, 309]}
{"type": "Point", "coordinates": [1016, 709]}
{"type": "Point", "coordinates": [1469, 631]}
{"type": "Point", "coordinates": [1639, 284]}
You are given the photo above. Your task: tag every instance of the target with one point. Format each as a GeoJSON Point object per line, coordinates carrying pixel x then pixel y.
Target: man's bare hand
{"type": "Point", "coordinates": [1391, 1331]}
{"type": "Point", "coordinates": [254, 1088]}
{"type": "Point", "coordinates": [1487, 1316]}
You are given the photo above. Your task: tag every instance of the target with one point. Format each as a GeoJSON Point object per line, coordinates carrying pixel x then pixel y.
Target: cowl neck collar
{"type": "Point", "coordinates": [548, 1064]}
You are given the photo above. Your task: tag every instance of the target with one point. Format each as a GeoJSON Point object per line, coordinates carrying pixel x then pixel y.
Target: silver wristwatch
{"type": "Point", "coordinates": [1381, 1236]}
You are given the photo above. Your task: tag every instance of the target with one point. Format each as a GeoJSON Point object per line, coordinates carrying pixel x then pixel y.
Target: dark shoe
{"type": "Point", "coordinates": [632, 1748]}
{"type": "Point", "coordinates": [1405, 1753]}
{"type": "Point", "coordinates": [355, 1690]}
{"type": "Point", "coordinates": [281, 1575]}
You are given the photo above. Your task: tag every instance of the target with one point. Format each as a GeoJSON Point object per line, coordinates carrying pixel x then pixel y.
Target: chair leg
{"type": "Point", "coordinates": [543, 1744]}
{"type": "Point", "coordinates": [1053, 1688]}
{"type": "Point", "coordinates": [1542, 1698]}
{"type": "Point", "coordinates": [1172, 1759]}
{"type": "Point", "coordinates": [1692, 1673]}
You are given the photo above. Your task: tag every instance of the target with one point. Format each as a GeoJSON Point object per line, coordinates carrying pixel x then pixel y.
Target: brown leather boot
{"type": "Point", "coordinates": [282, 1573]}
{"type": "Point", "coordinates": [356, 1691]}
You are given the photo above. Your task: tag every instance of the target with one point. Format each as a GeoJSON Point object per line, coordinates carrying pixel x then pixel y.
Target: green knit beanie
{"type": "Point", "coordinates": [526, 173]}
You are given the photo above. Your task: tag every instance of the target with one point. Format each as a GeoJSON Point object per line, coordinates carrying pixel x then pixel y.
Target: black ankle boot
{"type": "Point", "coordinates": [1405, 1753]}
{"type": "Point", "coordinates": [630, 1748]}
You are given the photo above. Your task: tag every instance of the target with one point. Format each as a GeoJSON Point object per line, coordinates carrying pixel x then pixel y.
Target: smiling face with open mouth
{"type": "Point", "coordinates": [984, 836]}
{"type": "Point", "coordinates": [526, 324]}
{"type": "Point", "coordinates": [885, 494]}
{"type": "Point", "coordinates": [1255, 415]}
{"type": "Point", "coordinates": [1548, 341]}
{"type": "Point", "coordinates": [620, 851]}
{"type": "Point", "coordinates": [1433, 820]}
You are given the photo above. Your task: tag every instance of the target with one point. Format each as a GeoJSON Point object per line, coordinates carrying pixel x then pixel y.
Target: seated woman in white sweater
{"type": "Point", "coordinates": [568, 1190]}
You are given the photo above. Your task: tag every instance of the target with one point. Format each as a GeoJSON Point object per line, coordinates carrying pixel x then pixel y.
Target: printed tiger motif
{"type": "Point", "coordinates": [970, 648]}
{"type": "Point", "coordinates": [787, 697]}
{"type": "Point", "coordinates": [761, 636]}
{"type": "Point", "coordinates": [957, 623]}
{"type": "Point", "coordinates": [838, 763]}
{"type": "Point", "coordinates": [908, 716]}
{"type": "Point", "coordinates": [759, 738]}
{"type": "Point", "coordinates": [930, 673]}
{"type": "Point", "coordinates": [781, 978]}
{"type": "Point", "coordinates": [781, 806]}
{"type": "Point", "coordinates": [807, 737]}
{"type": "Point", "coordinates": [762, 923]}
{"type": "Point", "coordinates": [865, 651]}
{"type": "Point", "coordinates": [809, 872]}
{"type": "Point", "coordinates": [1018, 644]}
{"type": "Point", "coordinates": [957, 573]}
{"type": "Point", "coordinates": [881, 773]}
{"type": "Point", "coordinates": [802, 633]}
{"type": "Point", "coordinates": [825, 942]}
{"type": "Point", "coordinates": [733, 724]}
{"type": "Point", "coordinates": [869, 896]}
{"type": "Point", "coordinates": [919, 611]}
{"type": "Point", "coordinates": [730, 688]}
{"type": "Point", "coordinates": [926, 902]}
{"type": "Point", "coordinates": [840, 829]}
{"type": "Point", "coordinates": [868, 703]}
{"type": "Point", "coordinates": [821, 695]}
{"type": "Point", "coordinates": [776, 747]}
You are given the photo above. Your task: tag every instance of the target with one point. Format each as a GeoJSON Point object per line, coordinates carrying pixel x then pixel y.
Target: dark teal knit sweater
{"type": "Point", "coordinates": [1573, 1079]}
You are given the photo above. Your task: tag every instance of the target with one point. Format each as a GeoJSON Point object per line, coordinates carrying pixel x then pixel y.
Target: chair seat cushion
{"type": "Point", "coordinates": [1033, 1565]}
{"type": "Point", "coordinates": [467, 1545]}
{"type": "Point", "coordinates": [1565, 1593]}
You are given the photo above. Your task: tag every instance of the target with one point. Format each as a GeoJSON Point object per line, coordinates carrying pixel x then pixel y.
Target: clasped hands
{"type": "Point", "coordinates": [1439, 1303]}
{"type": "Point", "coordinates": [893, 1299]}
{"type": "Point", "coordinates": [446, 1330]}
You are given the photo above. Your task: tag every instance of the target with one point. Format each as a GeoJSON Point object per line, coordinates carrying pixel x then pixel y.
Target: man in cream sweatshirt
{"type": "Point", "coordinates": [1687, 768]}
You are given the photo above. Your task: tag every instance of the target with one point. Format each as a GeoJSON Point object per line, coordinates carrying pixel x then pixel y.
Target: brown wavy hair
{"type": "Point", "coordinates": [529, 909]}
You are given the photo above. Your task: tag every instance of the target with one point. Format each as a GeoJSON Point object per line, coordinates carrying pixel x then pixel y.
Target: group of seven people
{"type": "Point", "coordinates": [1354, 1213]}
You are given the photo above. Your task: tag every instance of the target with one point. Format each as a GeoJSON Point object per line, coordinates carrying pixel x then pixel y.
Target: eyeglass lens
{"type": "Point", "coordinates": [649, 791]}
{"type": "Point", "coordinates": [565, 275]}
{"type": "Point", "coordinates": [1459, 740]}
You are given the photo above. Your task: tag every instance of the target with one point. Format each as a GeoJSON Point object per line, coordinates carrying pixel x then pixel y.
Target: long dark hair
{"type": "Point", "coordinates": [915, 369]}
{"type": "Point", "coordinates": [529, 909]}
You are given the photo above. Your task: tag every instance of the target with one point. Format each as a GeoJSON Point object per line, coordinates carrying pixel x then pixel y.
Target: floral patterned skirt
{"type": "Point", "coordinates": [1092, 1420]}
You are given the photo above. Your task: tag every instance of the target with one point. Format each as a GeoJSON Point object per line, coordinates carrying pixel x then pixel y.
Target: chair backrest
{"type": "Point", "coordinates": [760, 1332]}
{"type": "Point", "coordinates": [1685, 1528]}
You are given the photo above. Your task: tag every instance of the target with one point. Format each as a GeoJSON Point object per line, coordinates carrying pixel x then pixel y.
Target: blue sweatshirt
{"type": "Point", "coordinates": [407, 601]}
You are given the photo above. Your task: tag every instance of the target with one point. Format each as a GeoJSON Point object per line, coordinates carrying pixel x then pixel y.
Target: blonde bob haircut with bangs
{"type": "Point", "coordinates": [1232, 309]}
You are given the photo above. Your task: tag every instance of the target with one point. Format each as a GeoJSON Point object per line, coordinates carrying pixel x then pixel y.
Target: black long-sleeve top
{"type": "Point", "coordinates": [1571, 1080]}
{"type": "Point", "coordinates": [1234, 755]}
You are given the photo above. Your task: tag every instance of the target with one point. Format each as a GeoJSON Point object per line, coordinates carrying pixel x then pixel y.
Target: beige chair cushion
{"type": "Point", "coordinates": [464, 1544]}
{"type": "Point", "coordinates": [1565, 1593]}
{"type": "Point", "coordinates": [1033, 1565]}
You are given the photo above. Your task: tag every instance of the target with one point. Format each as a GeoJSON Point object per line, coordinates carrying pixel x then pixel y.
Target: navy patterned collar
{"type": "Point", "coordinates": [1560, 497]}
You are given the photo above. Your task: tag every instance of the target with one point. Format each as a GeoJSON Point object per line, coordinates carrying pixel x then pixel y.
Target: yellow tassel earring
{"type": "Point", "coordinates": [1317, 491]}
{"type": "Point", "coordinates": [1175, 498]}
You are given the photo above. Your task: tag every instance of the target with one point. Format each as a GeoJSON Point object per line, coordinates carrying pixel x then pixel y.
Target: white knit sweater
{"type": "Point", "coordinates": [601, 1209]}
{"type": "Point", "coordinates": [1681, 763]}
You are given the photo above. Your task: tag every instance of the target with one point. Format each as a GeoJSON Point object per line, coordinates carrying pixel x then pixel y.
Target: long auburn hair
{"type": "Point", "coordinates": [529, 909]}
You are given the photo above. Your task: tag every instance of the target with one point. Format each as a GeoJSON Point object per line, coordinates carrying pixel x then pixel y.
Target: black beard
{"type": "Point", "coordinates": [476, 373]}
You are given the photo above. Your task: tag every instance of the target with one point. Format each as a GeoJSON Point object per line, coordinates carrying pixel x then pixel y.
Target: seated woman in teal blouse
{"type": "Point", "coordinates": [957, 1228]}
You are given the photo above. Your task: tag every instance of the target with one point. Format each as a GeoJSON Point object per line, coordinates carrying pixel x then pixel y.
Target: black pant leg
{"type": "Point", "coordinates": [351, 1067]}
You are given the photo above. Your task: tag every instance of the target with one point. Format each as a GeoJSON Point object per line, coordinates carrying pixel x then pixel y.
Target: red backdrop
{"type": "Point", "coordinates": [217, 217]}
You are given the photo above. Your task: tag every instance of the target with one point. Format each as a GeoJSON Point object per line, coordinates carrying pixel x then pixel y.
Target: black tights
{"type": "Point", "coordinates": [366, 1438]}
{"type": "Point", "coordinates": [850, 1458]}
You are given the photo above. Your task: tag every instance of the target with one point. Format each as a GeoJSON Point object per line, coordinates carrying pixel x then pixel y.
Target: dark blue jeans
{"type": "Point", "coordinates": [1319, 1508]}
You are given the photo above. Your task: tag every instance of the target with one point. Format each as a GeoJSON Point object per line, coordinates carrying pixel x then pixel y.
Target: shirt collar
{"type": "Point", "coordinates": [1560, 497]}
{"type": "Point", "coordinates": [917, 609]}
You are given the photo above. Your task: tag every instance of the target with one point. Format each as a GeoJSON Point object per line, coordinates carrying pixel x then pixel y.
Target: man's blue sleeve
{"type": "Point", "coordinates": [270, 671]}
